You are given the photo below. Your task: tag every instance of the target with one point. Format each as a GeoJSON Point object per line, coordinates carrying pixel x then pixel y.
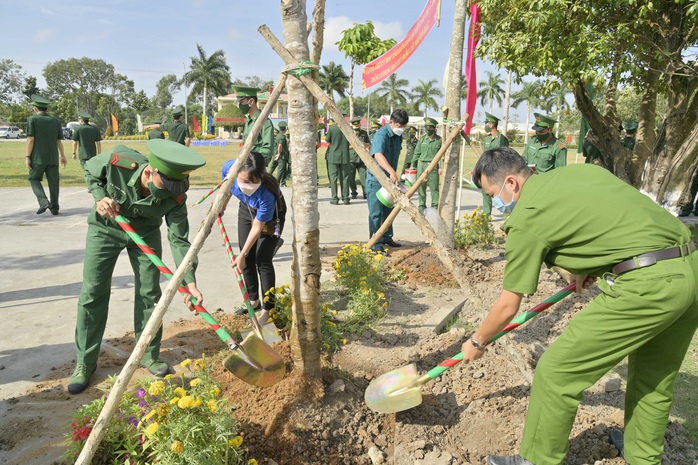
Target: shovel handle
{"type": "Point", "coordinates": [222, 333]}
{"type": "Point", "coordinates": [209, 193]}
{"type": "Point", "coordinates": [516, 322]}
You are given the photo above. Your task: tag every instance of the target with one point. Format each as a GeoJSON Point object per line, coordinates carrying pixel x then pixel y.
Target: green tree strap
{"type": "Point", "coordinates": [303, 68]}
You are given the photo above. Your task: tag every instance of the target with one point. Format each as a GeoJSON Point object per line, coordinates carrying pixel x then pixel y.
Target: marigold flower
{"type": "Point", "coordinates": [344, 341]}
{"type": "Point", "coordinates": [150, 415]}
{"type": "Point", "coordinates": [200, 364]}
{"type": "Point", "coordinates": [186, 362]}
{"type": "Point", "coordinates": [212, 405]}
{"type": "Point", "coordinates": [366, 290]}
{"type": "Point", "coordinates": [195, 403]}
{"type": "Point", "coordinates": [177, 447]}
{"type": "Point", "coordinates": [174, 400]}
{"type": "Point", "coordinates": [156, 388]}
{"type": "Point", "coordinates": [381, 295]}
{"type": "Point", "coordinates": [168, 377]}
{"type": "Point", "coordinates": [152, 429]}
{"type": "Point", "coordinates": [163, 410]}
{"type": "Point", "coordinates": [235, 442]}
{"type": "Point", "coordinates": [214, 392]}
{"type": "Point", "coordinates": [180, 391]}
{"type": "Point", "coordinates": [378, 257]}
{"type": "Point", "coordinates": [252, 462]}
{"type": "Point", "coordinates": [194, 382]}
{"type": "Point", "coordinates": [184, 402]}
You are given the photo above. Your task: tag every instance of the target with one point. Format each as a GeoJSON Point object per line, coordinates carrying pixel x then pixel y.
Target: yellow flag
{"type": "Point", "coordinates": [114, 123]}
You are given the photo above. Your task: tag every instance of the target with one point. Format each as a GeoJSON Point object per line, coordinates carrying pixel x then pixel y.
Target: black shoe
{"type": "Point", "coordinates": [378, 248]}
{"type": "Point", "coordinates": [156, 367]}
{"type": "Point", "coordinates": [354, 195]}
{"type": "Point", "coordinates": [392, 243]}
{"type": "Point", "coordinates": [346, 202]}
{"type": "Point", "coordinates": [507, 460]}
{"type": "Point", "coordinates": [615, 437]}
{"type": "Point", "coordinates": [334, 202]}
{"type": "Point", "coordinates": [243, 310]}
{"type": "Point", "coordinates": [54, 211]}
{"type": "Point", "coordinates": [364, 195]}
{"type": "Point", "coordinates": [42, 209]}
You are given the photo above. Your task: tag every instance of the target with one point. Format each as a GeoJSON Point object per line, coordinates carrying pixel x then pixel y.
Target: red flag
{"type": "Point", "coordinates": [470, 74]}
{"type": "Point", "coordinates": [196, 124]}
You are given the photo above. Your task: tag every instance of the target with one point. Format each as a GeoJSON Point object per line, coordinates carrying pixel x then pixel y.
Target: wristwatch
{"type": "Point", "coordinates": [477, 345]}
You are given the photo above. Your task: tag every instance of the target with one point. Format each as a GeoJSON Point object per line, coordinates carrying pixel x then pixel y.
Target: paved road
{"type": "Point", "coordinates": [41, 274]}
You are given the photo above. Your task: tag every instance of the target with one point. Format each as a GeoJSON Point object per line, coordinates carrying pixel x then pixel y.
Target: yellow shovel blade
{"type": "Point", "coordinates": [256, 362]}
{"type": "Point", "coordinates": [390, 393]}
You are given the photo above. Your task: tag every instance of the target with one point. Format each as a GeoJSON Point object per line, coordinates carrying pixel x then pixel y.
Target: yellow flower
{"type": "Point", "coordinates": [381, 295]}
{"type": "Point", "coordinates": [156, 388]}
{"type": "Point", "coordinates": [385, 304]}
{"type": "Point", "coordinates": [196, 403]}
{"type": "Point", "coordinates": [184, 402]}
{"type": "Point", "coordinates": [180, 391]}
{"type": "Point", "coordinates": [150, 415]}
{"type": "Point", "coordinates": [174, 400]}
{"type": "Point", "coordinates": [177, 447]}
{"type": "Point", "coordinates": [215, 391]}
{"type": "Point", "coordinates": [152, 429]}
{"type": "Point", "coordinates": [235, 442]}
{"type": "Point", "coordinates": [378, 257]}
{"type": "Point", "coordinates": [186, 362]}
{"type": "Point", "coordinates": [252, 462]}
{"type": "Point", "coordinates": [194, 382]}
{"type": "Point", "coordinates": [344, 341]}
{"type": "Point", "coordinates": [366, 290]}
{"type": "Point", "coordinates": [163, 410]}
{"type": "Point", "coordinates": [332, 323]}
{"type": "Point", "coordinates": [168, 377]}
{"type": "Point", "coordinates": [212, 406]}
{"type": "Point", "coordinates": [200, 364]}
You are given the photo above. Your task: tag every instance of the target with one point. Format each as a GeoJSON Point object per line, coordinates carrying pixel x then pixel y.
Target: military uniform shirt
{"type": "Point", "coordinates": [411, 144]}
{"type": "Point", "coordinates": [282, 140]}
{"type": "Point", "coordinates": [387, 143]}
{"type": "Point", "coordinates": [426, 149]}
{"type": "Point", "coordinates": [116, 174]}
{"type": "Point", "coordinates": [177, 131]}
{"type": "Point", "coordinates": [500, 140]}
{"type": "Point", "coordinates": [546, 156]}
{"type": "Point", "coordinates": [87, 136]}
{"type": "Point", "coordinates": [265, 141]}
{"type": "Point", "coordinates": [614, 222]}
{"type": "Point", "coordinates": [363, 137]}
{"type": "Point", "coordinates": [46, 131]}
{"type": "Point", "coordinates": [155, 134]}
{"type": "Point", "coordinates": [338, 146]}
{"type": "Point", "coordinates": [628, 142]}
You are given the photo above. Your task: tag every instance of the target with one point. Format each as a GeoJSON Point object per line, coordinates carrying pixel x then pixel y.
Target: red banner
{"type": "Point", "coordinates": [470, 74]}
{"type": "Point", "coordinates": [196, 124]}
{"type": "Point", "coordinates": [385, 65]}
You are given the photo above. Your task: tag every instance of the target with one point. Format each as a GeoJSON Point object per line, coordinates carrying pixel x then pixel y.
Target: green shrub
{"type": "Point", "coordinates": [357, 267]}
{"type": "Point", "coordinates": [474, 230]}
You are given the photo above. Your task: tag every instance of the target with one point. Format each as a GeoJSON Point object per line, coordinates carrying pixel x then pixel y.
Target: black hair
{"type": "Point", "coordinates": [499, 163]}
{"type": "Point", "coordinates": [399, 116]}
{"type": "Point", "coordinates": [256, 166]}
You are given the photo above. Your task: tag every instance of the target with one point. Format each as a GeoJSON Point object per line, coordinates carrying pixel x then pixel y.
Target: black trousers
{"type": "Point", "coordinates": [259, 260]}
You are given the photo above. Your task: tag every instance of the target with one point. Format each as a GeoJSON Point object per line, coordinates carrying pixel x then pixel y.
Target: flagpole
{"type": "Point", "coordinates": [186, 116]}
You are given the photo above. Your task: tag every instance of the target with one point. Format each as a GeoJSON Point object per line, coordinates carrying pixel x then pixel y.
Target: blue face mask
{"type": "Point", "coordinates": [499, 204]}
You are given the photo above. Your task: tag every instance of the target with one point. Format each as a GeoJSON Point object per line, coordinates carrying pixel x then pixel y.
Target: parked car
{"type": "Point", "coordinates": [67, 133]}
{"type": "Point", "coordinates": [10, 132]}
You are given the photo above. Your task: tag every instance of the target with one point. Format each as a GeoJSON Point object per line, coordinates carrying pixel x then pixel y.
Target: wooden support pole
{"type": "Point", "coordinates": [437, 158]}
{"type": "Point", "coordinates": [155, 321]}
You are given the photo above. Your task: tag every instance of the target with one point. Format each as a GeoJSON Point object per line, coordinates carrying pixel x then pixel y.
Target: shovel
{"type": "Point", "coordinates": [253, 361]}
{"type": "Point", "coordinates": [250, 311]}
{"type": "Point", "coordinates": [399, 389]}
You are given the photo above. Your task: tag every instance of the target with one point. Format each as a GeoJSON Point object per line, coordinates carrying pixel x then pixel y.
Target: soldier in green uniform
{"type": "Point", "coordinates": [177, 130]}
{"type": "Point", "coordinates": [155, 133]}
{"type": "Point", "coordinates": [355, 161]}
{"type": "Point", "coordinates": [86, 140]}
{"type": "Point", "coordinates": [44, 144]}
{"type": "Point", "coordinates": [375, 126]}
{"type": "Point", "coordinates": [630, 133]}
{"type": "Point", "coordinates": [338, 166]}
{"type": "Point", "coordinates": [247, 102]}
{"type": "Point", "coordinates": [123, 181]}
{"type": "Point", "coordinates": [411, 144]}
{"type": "Point", "coordinates": [543, 152]}
{"type": "Point", "coordinates": [283, 156]}
{"type": "Point", "coordinates": [647, 309]}
{"type": "Point", "coordinates": [493, 140]}
{"type": "Point", "coordinates": [424, 152]}
{"type": "Point", "coordinates": [275, 160]}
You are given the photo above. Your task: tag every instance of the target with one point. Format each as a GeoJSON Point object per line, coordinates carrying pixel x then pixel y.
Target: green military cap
{"type": "Point", "coordinates": [543, 121]}
{"type": "Point", "coordinates": [178, 111]}
{"type": "Point", "coordinates": [491, 118]}
{"type": "Point", "coordinates": [40, 101]}
{"type": "Point", "coordinates": [375, 124]}
{"type": "Point", "coordinates": [157, 121]}
{"type": "Point", "coordinates": [430, 122]}
{"type": "Point", "coordinates": [174, 162]}
{"type": "Point", "coordinates": [243, 92]}
{"type": "Point", "coordinates": [631, 126]}
{"type": "Point", "coordinates": [84, 115]}
{"type": "Point", "coordinates": [412, 130]}
{"type": "Point", "coordinates": [283, 125]}
{"type": "Point", "coordinates": [356, 121]}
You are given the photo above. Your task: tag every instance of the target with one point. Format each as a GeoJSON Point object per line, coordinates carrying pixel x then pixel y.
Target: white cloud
{"type": "Point", "coordinates": [235, 34]}
{"type": "Point", "coordinates": [46, 11]}
{"type": "Point", "coordinates": [42, 35]}
{"type": "Point", "coordinates": [336, 24]}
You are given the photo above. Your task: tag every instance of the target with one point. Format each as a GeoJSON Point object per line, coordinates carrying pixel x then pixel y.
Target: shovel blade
{"type": "Point", "coordinates": [389, 393]}
{"type": "Point", "coordinates": [256, 362]}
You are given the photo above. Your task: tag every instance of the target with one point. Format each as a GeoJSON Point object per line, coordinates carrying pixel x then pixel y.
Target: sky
{"type": "Point", "coordinates": [146, 41]}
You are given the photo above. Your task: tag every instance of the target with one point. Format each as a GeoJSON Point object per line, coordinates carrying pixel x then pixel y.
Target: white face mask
{"type": "Point", "coordinates": [398, 131]}
{"type": "Point", "coordinates": [249, 188]}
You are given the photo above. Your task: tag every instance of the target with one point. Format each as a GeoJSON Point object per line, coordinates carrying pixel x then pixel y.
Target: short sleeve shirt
{"type": "Point", "coordinates": [386, 142]}
{"type": "Point", "coordinates": [177, 131]}
{"type": "Point", "coordinates": [546, 157]}
{"type": "Point", "coordinates": [87, 137]}
{"type": "Point", "coordinates": [427, 149]}
{"type": "Point", "coordinates": [261, 200]}
{"type": "Point", "coordinates": [603, 222]}
{"type": "Point", "coordinates": [500, 140]}
{"type": "Point", "coordinates": [338, 149]}
{"type": "Point", "coordinates": [46, 131]}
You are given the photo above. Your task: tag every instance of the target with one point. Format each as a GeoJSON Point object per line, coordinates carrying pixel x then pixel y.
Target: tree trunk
{"type": "Point", "coordinates": [528, 121]}
{"type": "Point", "coordinates": [449, 189]}
{"type": "Point", "coordinates": [611, 110]}
{"type": "Point", "coordinates": [646, 136]}
{"type": "Point", "coordinates": [306, 338]}
{"type": "Point", "coordinates": [507, 98]}
{"type": "Point", "coordinates": [351, 90]}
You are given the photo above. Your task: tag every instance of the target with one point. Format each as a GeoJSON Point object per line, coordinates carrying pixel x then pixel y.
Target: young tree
{"type": "Point", "coordinates": [334, 79]}
{"type": "Point", "coordinates": [208, 74]}
{"type": "Point", "coordinates": [393, 90]}
{"type": "Point", "coordinates": [361, 45]}
{"type": "Point", "coordinates": [491, 89]}
{"type": "Point", "coordinates": [424, 93]}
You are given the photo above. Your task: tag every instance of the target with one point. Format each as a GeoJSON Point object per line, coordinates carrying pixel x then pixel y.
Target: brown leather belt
{"type": "Point", "coordinates": [650, 258]}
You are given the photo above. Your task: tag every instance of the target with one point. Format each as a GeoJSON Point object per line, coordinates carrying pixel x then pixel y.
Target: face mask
{"type": "Point", "coordinates": [398, 131]}
{"type": "Point", "coordinates": [156, 192]}
{"type": "Point", "coordinates": [499, 204]}
{"type": "Point", "coordinates": [244, 108]}
{"type": "Point", "coordinates": [249, 188]}
{"type": "Point", "coordinates": [542, 137]}
{"type": "Point", "coordinates": [430, 132]}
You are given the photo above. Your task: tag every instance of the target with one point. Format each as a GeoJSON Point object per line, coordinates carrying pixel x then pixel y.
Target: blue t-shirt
{"type": "Point", "coordinates": [262, 200]}
{"type": "Point", "coordinates": [387, 143]}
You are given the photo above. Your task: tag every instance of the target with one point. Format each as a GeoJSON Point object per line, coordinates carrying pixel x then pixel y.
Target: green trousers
{"type": "Point", "coordinates": [284, 171]}
{"type": "Point", "coordinates": [272, 167]}
{"type": "Point", "coordinates": [339, 173]}
{"type": "Point", "coordinates": [432, 182]}
{"type": "Point", "coordinates": [36, 175]}
{"type": "Point", "coordinates": [486, 204]}
{"type": "Point", "coordinates": [353, 168]}
{"type": "Point", "coordinates": [648, 315]}
{"type": "Point", "coordinates": [105, 241]}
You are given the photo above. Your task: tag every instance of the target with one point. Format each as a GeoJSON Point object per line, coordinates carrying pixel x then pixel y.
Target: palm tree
{"type": "Point", "coordinates": [425, 93]}
{"type": "Point", "coordinates": [491, 89]}
{"type": "Point", "coordinates": [529, 93]}
{"type": "Point", "coordinates": [209, 74]}
{"type": "Point", "coordinates": [392, 89]}
{"type": "Point", "coordinates": [556, 99]}
{"type": "Point", "coordinates": [334, 79]}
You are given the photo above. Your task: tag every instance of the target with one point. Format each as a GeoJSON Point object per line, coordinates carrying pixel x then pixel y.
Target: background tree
{"type": "Point", "coordinates": [86, 78]}
{"type": "Point", "coordinates": [140, 103]}
{"type": "Point", "coordinates": [334, 79]}
{"type": "Point", "coordinates": [424, 93]}
{"type": "Point", "coordinates": [393, 91]}
{"type": "Point", "coordinates": [30, 87]}
{"type": "Point", "coordinates": [491, 90]}
{"type": "Point", "coordinates": [12, 81]}
{"type": "Point", "coordinates": [529, 93]}
{"type": "Point", "coordinates": [361, 45]}
{"type": "Point", "coordinates": [254, 81]}
{"type": "Point", "coordinates": [554, 102]}
{"type": "Point", "coordinates": [208, 74]}
{"type": "Point", "coordinates": [166, 86]}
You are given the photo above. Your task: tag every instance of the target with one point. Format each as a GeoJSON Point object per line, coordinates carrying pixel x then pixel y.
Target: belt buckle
{"type": "Point", "coordinates": [646, 261]}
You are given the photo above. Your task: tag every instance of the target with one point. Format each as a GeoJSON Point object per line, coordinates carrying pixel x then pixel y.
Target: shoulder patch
{"type": "Point", "coordinates": [562, 146]}
{"type": "Point", "coordinates": [123, 162]}
{"type": "Point", "coordinates": [180, 199]}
